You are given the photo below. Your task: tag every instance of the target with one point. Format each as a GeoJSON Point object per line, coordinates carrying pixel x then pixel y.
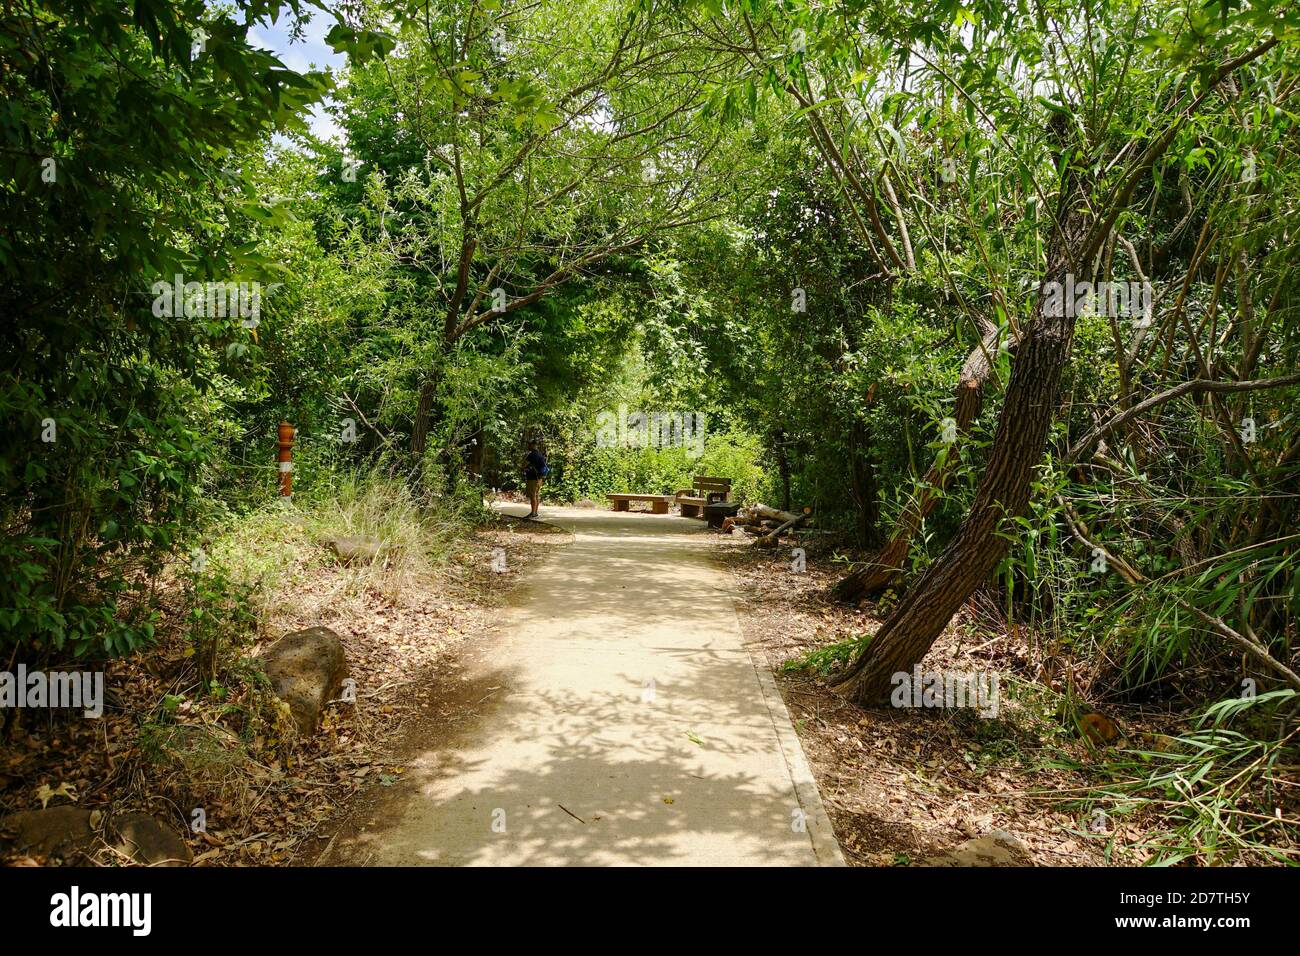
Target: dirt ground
{"type": "Point", "coordinates": [266, 798]}
{"type": "Point", "coordinates": [900, 785]}
{"type": "Point", "coordinates": [614, 718]}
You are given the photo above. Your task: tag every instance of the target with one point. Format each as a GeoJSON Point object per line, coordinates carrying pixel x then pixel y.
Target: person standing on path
{"type": "Point", "coordinates": [535, 469]}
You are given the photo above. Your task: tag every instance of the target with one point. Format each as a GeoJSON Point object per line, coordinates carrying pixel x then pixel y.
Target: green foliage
{"type": "Point", "coordinates": [824, 661]}
{"type": "Point", "coordinates": [120, 168]}
{"type": "Point", "coordinates": [218, 621]}
{"type": "Point", "coordinates": [1208, 797]}
{"type": "Point", "coordinates": [581, 469]}
{"type": "Point", "coordinates": [566, 209]}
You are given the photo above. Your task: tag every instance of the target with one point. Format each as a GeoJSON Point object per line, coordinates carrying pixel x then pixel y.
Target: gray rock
{"type": "Point", "coordinates": [149, 842]}
{"type": "Point", "coordinates": [355, 548]}
{"type": "Point", "coordinates": [62, 832]}
{"type": "Point", "coordinates": [306, 669]}
{"type": "Point", "coordinates": [995, 848]}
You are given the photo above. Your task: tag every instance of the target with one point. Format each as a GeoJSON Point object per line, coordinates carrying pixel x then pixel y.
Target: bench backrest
{"type": "Point", "coordinates": [705, 483]}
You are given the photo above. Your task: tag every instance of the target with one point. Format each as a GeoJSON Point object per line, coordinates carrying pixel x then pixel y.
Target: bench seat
{"type": "Point", "coordinates": [704, 490]}
{"type": "Point", "coordinates": [690, 505]}
{"type": "Point", "coordinates": [658, 503]}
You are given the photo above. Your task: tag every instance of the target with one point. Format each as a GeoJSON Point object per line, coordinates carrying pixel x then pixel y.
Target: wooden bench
{"type": "Point", "coordinates": [658, 503]}
{"type": "Point", "coordinates": [705, 490]}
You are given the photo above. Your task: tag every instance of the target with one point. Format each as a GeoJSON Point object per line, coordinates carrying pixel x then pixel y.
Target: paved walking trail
{"type": "Point", "coordinates": [623, 723]}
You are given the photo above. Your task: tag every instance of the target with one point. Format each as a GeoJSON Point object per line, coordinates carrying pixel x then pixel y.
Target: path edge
{"type": "Point", "coordinates": [825, 846]}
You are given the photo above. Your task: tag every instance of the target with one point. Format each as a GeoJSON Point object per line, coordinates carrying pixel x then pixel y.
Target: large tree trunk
{"type": "Point", "coordinates": [926, 609]}
{"type": "Point", "coordinates": [1003, 493]}
{"type": "Point", "coordinates": [1027, 414]}
{"type": "Point", "coordinates": [886, 566]}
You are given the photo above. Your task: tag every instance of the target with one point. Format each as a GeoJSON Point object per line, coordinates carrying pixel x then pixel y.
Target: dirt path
{"type": "Point", "coordinates": [616, 718]}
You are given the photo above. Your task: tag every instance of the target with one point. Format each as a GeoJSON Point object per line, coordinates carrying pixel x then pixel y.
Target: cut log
{"type": "Point", "coordinates": [790, 521]}
{"type": "Point", "coordinates": [742, 517]}
{"type": "Point", "coordinates": [776, 514]}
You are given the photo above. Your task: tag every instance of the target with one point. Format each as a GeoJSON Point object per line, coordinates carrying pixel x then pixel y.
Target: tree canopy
{"type": "Point", "coordinates": [999, 290]}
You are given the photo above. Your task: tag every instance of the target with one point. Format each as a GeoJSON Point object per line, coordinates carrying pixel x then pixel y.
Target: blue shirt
{"type": "Point", "coordinates": [536, 466]}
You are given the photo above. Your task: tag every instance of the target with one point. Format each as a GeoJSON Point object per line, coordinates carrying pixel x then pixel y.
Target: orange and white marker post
{"type": "Point", "coordinates": [287, 433]}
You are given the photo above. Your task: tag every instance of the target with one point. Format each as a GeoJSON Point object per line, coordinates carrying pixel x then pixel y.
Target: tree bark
{"type": "Point", "coordinates": [1027, 413]}
{"type": "Point", "coordinates": [423, 416]}
{"type": "Point", "coordinates": [926, 609]}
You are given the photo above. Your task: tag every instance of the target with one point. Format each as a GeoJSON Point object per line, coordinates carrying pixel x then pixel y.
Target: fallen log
{"type": "Point", "coordinates": [769, 540]}
{"type": "Point", "coordinates": [742, 518]}
{"type": "Point", "coordinates": [776, 514]}
{"type": "Point", "coordinates": [779, 522]}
